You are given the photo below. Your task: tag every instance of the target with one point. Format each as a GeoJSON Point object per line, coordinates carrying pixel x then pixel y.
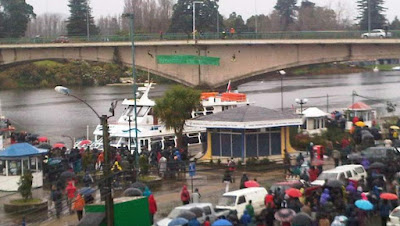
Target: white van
{"type": "Point", "coordinates": [342, 173]}
{"type": "Point", "coordinates": [237, 200]}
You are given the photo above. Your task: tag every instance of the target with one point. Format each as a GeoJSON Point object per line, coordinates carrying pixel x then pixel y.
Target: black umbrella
{"type": "Point", "coordinates": [44, 146]}
{"type": "Point", "coordinates": [377, 165]}
{"type": "Point", "coordinates": [139, 185]}
{"type": "Point", "coordinates": [302, 219]}
{"type": "Point", "coordinates": [334, 183]}
{"type": "Point", "coordinates": [187, 215]}
{"type": "Point", "coordinates": [198, 211]}
{"type": "Point", "coordinates": [67, 175]}
{"type": "Point", "coordinates": [132, 192]}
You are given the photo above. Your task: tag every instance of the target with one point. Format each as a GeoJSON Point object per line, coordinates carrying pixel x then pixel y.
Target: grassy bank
{"type": "Point", "coordinates": [326, 69]}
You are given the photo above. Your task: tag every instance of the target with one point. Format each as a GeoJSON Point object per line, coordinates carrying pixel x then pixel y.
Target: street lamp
{"type": "Point", "coordinates": [109, 203]}
{"type": "Point", "coordinates": [369, 17]}
{"type": "Point", "coordinates": [132, 32]}
{"type": "Point", "coordinates": [87, 21]}
{"type": "Point", "coordinates": [194, 18]}
{"type": "Point", "coordinates": [71, 139]}
{"type": "Point", "coordinates": [301, 102]}
{"type": "Point", "coordinates": [217, 20]}
{"type": "Point", "coordinates": [282, 73]}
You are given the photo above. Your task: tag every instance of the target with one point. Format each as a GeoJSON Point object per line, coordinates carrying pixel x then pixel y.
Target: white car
{"type": "Point", "coordinates": [342, 173]}
{"type": "Point", "coordinates": [377, 33]}
{"type": "Point", "coordinates": [394, 217]}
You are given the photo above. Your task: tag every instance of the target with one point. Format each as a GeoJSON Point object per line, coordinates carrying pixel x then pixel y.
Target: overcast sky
{"type": "Point", "coordinates": [245, 8]}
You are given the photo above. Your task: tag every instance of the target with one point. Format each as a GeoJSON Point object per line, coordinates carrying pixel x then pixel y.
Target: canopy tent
{"type": "Point", "coordinates": [314, 112]}
{"type": "Point", "coordinates": [21, 150]}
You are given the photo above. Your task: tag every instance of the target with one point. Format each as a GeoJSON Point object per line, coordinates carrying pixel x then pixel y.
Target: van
{"type": "Point", "coordinates": [237, 200]}
{"type": "Point", "coordinates": [342, 173]}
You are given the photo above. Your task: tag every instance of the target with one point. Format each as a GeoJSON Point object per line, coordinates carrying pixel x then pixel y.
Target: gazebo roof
{"type": "Point", "coordinates": [21, 150]}
{"type": "Point", "coordinates": [247, 117]}
{"type": "Point", "coordinates": [360, 106]}
{"type": "Point", "coordinates": [314, 112]}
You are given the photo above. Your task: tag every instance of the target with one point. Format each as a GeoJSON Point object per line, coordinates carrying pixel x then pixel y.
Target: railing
{"type": "Point", "coordinates": [201, 36]}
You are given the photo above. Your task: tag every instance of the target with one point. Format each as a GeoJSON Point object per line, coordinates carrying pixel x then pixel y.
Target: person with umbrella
{"type": "Point", "coordinates": [185, 196]}
{"type": "Point", "coordinates": [78, 206]}
{"type": "Point", "coordinates": [384, 210]}
{"type": "Point", "coordinates": [193, 222]}
{"type": "Point", "coordinates": [57, 199]}
{"type": "Point", "coordinates": [70, 190]}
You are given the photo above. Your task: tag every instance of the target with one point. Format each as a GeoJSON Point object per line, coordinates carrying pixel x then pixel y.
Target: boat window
{"type": "Point", "coordinates": [142, 111]}
{"type": "Point", "coordinates": [209, 108]}
{"type": "Point", "coordinates": [169, 141]}
{"type": "Point", "coordinates": [191, 139]}
{"type": "Point", "coordinates": [14, 168]}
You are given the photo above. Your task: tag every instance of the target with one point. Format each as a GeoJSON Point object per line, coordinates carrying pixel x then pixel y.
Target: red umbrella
{"type": "Point", "coordinates": [58, 145]}
{"type": "Point", "coordinates": [388, 196]}
{"type": "Point", "coordinates": [84, 142]}
{"type": "Point", "coordinates": [42, 139]}
{"type": "Point", "coordinates": [293, 192]}
{"type": "Point", "coordinates": [251, 184]}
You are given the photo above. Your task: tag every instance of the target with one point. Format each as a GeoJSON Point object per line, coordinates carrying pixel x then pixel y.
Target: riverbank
{"type": "Point", "coordinates": [328, 69]}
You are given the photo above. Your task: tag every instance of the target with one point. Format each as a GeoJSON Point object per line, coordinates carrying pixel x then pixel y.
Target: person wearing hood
{"type": "Point", "coordinates": [250, 209]}
{"type": "Point", "coordinates": [245, 220]}
{"type": "Point", "coordinates": [232, 217]}
{"type": "Point", "coordinates": [78, 206]}
{"type": "Point", "coordinates": [338, 222]}
{"type": "Point", "coordinates": [351, 189]}
{"type": "Point", "coordinates": [269, 199]}
{"type": "Point", "coordinates": [384, 210]}
{"type": "Point", "coordinates": [152, 207]}
{"type": "Point", "coordinates": [365, 163]}
{"type": "Point", "coordinates": [70, 190]}
{"type": "Point", "coordinates": [242, 180]}
{"type": "Point", "coordinates": [325, 197]}
{"type": "Point", "coordinates": [185, 196]}
{"type": "Point", "coordinates": [193, 222]}
{"type": "Point", "coordinates": [146, 192]}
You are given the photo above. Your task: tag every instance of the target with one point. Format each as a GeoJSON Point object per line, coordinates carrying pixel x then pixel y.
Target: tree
{"type": "Point", "coordinates": [77, 21]}
{"type": "Point", "coordinates": [47, 25]}
{"type": "Point", "coordinates": [175, 107]}
{"type": "Point", "coordinates": [235, 21]}
{"type": "Point", "coordinates": [25, 185]}
{"type": "Point", "coordinates": [287, 12]}
{"type": "Point", "coordinates": [206, 16]}
{"type": "Point", "coordinates": [14, 18]}
{"type": "Point", "coordinates": [377, 18]}
{"type": "Point", "coordinates": [395, 25]}
{"type": "Point", "coordinates": [312, 18]}
{"type": "Point", "coordinates": [263, 23]}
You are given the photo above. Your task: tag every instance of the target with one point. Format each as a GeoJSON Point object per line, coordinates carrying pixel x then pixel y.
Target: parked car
{"type": "Point", "coordinates": [208, 211]}
{"type": "Point", "coordinates": [61, 39]}
{"type": "Point", "coordinates": [237, 200]}
{"type": "Point", "coordinates": [377, 33]}
{"type": "Point", "coordinates": [284, 185]}
{"type": "Point", "coordinates": [342, 173]}
{"type": "Point", "coordinates": [376, 154]}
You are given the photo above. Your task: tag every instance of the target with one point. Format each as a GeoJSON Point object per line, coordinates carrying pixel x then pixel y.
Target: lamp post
{"type": "Point", "coordinates": [369, 17]}
{"type": "Point", "coordinates": [109, 203]}
{"type": "Point", "coordinates": [217, 21]}
{"type": "Point", "coordinates": [194, 18]}
{"type": "Point", "coordinates": [70, 138]}
{"type": "Point", "coordinates": [87, 20]}
{"type": "Point", "coordinates": [282, 73]}
{"type": "Point", "coordinates": [132, 32]}
{"type": "Point", "coordinates": [255, 21]}
{"type": "Point", "coordinates": [301, 102]}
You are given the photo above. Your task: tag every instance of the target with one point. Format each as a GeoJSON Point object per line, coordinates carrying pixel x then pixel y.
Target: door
{"type": "Point", "coordinates": [241, 205]}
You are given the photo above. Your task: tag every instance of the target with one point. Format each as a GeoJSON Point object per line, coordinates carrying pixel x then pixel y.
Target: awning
{"type": "Point", "coordinates": [21, 150]}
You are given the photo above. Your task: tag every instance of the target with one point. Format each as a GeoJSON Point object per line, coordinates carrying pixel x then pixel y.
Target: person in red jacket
{"type": "Point", "coordinates": [185, 196]}
{"type": "Point", "coordinates": [152, 208]}
{"type": "Point", "coordinates": [269, 199]}
{"type": "Point", "coordinates": [70, 190]}
{"type": "Point", "coordinates": [313, 173]}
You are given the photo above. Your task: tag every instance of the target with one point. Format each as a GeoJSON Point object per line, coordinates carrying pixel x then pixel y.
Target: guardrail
{"type": "Point", "coordinates": [201, 36]}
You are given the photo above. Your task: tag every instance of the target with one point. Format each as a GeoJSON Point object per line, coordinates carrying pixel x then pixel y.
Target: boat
{"type": "Point", "coordinates": [376, 69]}
{"type": "Point", "coordinates": [151, 134]}
{"type": "Point", "coordinates": [397, 68]}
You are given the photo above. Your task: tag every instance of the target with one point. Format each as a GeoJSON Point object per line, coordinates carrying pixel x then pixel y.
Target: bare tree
{"type": "Point", "coordinates": [47, 25]}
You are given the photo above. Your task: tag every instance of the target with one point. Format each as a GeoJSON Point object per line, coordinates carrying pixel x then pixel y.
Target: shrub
{"type": "Point", "coordinates": [25, 185]}
{"type": "Point", "coordinates": [251, 161]}
{"type": "Point", "coordinates": [218, 162]}
{"type": "Point", "coordinates": [144, 165]}
{"type": "Point", "coordinates": [264, 161]}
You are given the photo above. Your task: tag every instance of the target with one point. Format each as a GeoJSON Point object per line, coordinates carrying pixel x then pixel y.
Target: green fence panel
{"type": "Point", "coordinates": [187, 59]}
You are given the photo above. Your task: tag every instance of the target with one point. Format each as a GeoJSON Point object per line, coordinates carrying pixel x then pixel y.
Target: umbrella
{"type": "Point", "coordinates": [138, 185]}
{"type": "Point", "coordinates": [198, 211]}
{"type": "Point", "coordinates": [251, 184]}
{"type": "Point", "coordinates": [86, 191]}
{"type": "Point", "coordinates": [44, 146]}
{"type": "Point", "coordinates": [178, 222]}
{"type": "Point", "coordinates": [364, 204]}
{"type": "Point", "coordinates": [284, 215]}
{"type": "Point", "coordinates": [377, 165]}
{"type": "Point", "coordinates": [334, 183]}
{"type": "Point", "coordinates": [42, 139]}
{"type": "Point", "coordinates": [394, 127]}
{"type": "Point", "coordinates": [302, 219]}
{"type": "Point", "coordinates": [388, 196]}
{"type": "Point", "coordinates": [58, 145]}
{"type": "Point", "coordinates": [317, 162]}
{"type": "Point", "coordinates": [132, 192]}
{"type": "Point", "coordinates": [187, 215]}
{"type": "Point", "coordinates": [67, 174]}
{"type": "Point", "coordinates": [222, 222]}
{"type": "Point", "coordinates": [293, 192]}
{"type": "Point", "coordinates": [84, 142]}
{"type": "Point", "coordinates": [54, 161]}
{"type": "Point", "coordinates": [360, 124]}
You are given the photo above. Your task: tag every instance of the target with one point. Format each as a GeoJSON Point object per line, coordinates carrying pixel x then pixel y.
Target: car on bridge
{"type": "Point", "coordinates": [61, 39]}
{"type": "Point", "coordinates": [377, 33]}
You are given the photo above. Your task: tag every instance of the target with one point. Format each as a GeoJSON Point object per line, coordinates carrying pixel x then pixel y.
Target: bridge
{"type": "Point", "coordinates": [238, 59]}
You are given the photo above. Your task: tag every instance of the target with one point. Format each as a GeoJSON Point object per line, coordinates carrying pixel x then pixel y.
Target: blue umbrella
{"type": "Point", "coordinates": [178, 222]}
{"type": "Point", "coordinates": [86, 191]}
{"type": "Point", "coordinates": [364, 204]}
{"type": "Point", "coordinates": [222, 222]}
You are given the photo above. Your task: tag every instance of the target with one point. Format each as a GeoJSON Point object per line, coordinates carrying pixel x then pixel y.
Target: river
{"type": "Point", "coordinates": [48, 113]}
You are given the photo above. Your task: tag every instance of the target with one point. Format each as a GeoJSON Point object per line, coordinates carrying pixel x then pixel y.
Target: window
{"type": "Point", "coordinates": [207, 210]}
{"type": "Point", "coordinates": [227, 200]}
{"type": "Point", "coordinates": [241, 200]}
{"type": "Point", "coordinates": [342, 177]}
{"type": "Point", "coordinates": [14, 168]}
{"type": "Point", "coordinates": [359, 170]}
{"type": "Point", "coordinates": [348, 174]}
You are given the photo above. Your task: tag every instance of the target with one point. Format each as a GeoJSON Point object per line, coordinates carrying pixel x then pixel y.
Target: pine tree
{"type": "Point", "coordinates": [395, 25]}
{"type": "Point", "coordinates": [77, 22]}
{"type": "Point", "coordinates": [287, 12]}
{"type": "Point", "coordinates": [377, 19]}
{"type": "Point", "coordinates": [206, 16]}
{"type": "Point", "coordinates": [14, 17]}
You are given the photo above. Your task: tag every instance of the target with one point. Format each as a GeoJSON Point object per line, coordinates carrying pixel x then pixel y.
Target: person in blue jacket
{"type": "Point", "coordinates": [245, 220]}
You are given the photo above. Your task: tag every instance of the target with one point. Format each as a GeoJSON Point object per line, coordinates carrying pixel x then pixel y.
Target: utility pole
{"type": "Point", "coordinates": [87, 20]}
{"type": "Point", "coordinates": [194, 18]}
{"type": "Point", "coordinates": [327, 103]}
{"type": "Point", "coordinates": [109, 202]}
{"type": "Point", "coordinates": [369, 16]}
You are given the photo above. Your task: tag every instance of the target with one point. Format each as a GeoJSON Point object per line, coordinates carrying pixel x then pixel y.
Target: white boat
{"type": "Point", "coordinates": [376, 69]}
{"type": "Point", "coordinates": [151, 134]}
{"type": "Point", "coordinates": [397, 68]}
